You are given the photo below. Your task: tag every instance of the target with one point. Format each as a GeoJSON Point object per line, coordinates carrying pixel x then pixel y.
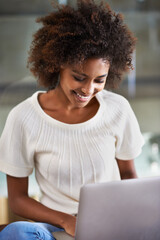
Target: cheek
{"type": "Point", "coordinates": [100, 88]}
{"type": "Point", "coordinates": [66, 84]}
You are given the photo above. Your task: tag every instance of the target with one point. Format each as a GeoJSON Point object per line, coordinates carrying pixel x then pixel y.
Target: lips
{"type": "Point", "coordinates": [82, 98]}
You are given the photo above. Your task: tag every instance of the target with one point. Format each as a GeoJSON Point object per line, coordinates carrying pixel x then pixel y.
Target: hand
{"type": "Point", "coordinates": [69, 224]}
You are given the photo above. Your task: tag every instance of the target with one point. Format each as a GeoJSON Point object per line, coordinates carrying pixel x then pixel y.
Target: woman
{"type": "Point", "coordinates": [75, 132]}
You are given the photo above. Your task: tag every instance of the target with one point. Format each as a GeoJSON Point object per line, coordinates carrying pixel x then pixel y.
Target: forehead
{"type": "Point", "coordinates": [93, 66]}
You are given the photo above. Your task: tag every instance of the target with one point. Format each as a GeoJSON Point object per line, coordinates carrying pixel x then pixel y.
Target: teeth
{"type": "Point", "coordinates": [82, 96]}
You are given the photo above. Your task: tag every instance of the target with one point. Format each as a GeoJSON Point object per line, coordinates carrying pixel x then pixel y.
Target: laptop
{"type": "Point", "coordinates": [123, 210]}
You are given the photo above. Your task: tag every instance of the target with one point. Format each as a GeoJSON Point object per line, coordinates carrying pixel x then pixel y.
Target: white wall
{"type": "Point", "coordinates": [147, 111]}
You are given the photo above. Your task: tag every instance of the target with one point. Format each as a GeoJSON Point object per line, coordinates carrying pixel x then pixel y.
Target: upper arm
{"type": "Point", "coordinates": [127, 168]}
{"type": "Point", "coordinates": [17, 187]}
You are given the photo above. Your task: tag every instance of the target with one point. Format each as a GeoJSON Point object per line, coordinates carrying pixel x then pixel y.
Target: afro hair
{"type": "Point", "coordinates": [71, 35]}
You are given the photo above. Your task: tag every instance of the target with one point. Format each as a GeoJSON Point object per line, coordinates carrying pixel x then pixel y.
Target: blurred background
{"type": "Point", "coordinates": [141, 87]}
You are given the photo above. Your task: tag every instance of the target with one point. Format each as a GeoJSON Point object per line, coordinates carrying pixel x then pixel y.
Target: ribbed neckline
{"type": "Point", "coordinates": [54, 121]}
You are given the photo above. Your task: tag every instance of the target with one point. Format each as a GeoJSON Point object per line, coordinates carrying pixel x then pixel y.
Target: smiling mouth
{"type": "Point", "coordinates": [82, 98]}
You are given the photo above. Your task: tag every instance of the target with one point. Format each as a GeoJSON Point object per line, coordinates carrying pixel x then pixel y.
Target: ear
{"type": "Point", "coordinates": [63, 66]}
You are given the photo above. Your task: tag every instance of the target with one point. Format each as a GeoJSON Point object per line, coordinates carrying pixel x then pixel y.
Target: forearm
{"type": "Point", "coordinates": [29, 208]}
{"type": "Point", "coordinates": [26, 207]}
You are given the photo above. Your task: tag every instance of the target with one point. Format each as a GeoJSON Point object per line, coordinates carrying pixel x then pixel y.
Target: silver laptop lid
{"type": "Point", "coordinates": [123, 210]}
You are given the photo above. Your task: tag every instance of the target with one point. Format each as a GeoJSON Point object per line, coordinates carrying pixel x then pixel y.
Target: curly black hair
{"type": "Point", "coordinates": [72, 35]}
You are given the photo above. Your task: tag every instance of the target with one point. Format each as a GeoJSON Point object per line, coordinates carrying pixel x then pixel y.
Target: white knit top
{"type": "Point", "coordinates": [67, 156]}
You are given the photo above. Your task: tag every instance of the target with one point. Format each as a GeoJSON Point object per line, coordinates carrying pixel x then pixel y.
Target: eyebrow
{"type": "Point", "coordinates": [83, 74]}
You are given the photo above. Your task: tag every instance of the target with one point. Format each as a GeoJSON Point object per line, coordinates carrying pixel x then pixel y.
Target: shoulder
{"type": "Point", "coordinates": [113, 100]}
{"type": "Point", "coordinates": [24, 110]}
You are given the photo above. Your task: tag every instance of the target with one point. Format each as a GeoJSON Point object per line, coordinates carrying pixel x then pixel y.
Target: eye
{"type": "Point", "coordinates": [99, 80]}
{"type": "Point", "coordinates": [78, 79]}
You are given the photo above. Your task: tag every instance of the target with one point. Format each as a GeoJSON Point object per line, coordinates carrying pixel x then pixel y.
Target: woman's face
{"type": "Point", "coordinates": [79, 84]}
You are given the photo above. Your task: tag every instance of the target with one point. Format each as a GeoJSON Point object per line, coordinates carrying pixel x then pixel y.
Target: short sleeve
{"type": "Point", "coordinates": [129, 140]}
{"type": "Point", "coordinates": [16, 154]}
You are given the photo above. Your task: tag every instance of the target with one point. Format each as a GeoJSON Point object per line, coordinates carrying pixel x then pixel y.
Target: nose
{"type": "Point", "coordinates": [88, 89]}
